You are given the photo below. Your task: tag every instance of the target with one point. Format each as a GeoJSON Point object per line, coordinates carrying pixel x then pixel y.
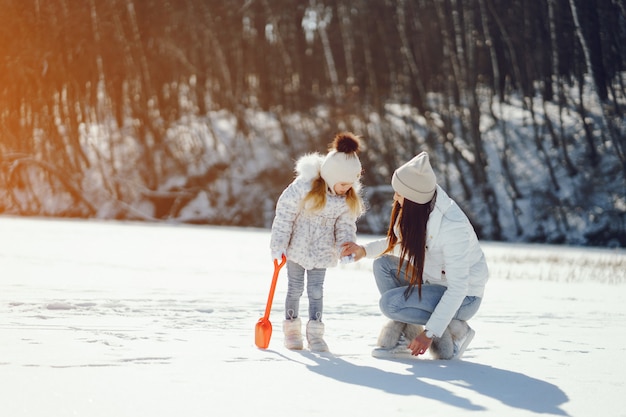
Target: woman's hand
{"type": "Point", "coordinates": [351, 248]}
{"type": "Point", "coordinates": [420, 344]}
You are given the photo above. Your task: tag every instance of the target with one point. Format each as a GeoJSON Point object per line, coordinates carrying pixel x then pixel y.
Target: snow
{"type": "Point", "coordinates": [134, 319]}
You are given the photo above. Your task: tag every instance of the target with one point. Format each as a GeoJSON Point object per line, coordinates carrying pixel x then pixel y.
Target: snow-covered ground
{"type": "Point", "coordinates": [133, 319]}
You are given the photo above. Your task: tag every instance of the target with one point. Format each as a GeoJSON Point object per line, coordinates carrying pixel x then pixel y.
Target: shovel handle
{"type": "Point", "coordinates": [270, 298]}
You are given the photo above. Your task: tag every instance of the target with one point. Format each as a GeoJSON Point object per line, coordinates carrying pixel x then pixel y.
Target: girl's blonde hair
{"type": "Point", "coordinates": [315, 200]}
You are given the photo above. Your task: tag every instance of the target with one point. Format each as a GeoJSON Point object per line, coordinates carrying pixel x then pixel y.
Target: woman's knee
{"type": "Point", "coordinates": [378, 266]}
{"type": "Point", "coordinates": [386, 305]}
{"type": "Point", "coordinates": [384, 269]}
{"type": "Point", "coordinates": [469, 308]}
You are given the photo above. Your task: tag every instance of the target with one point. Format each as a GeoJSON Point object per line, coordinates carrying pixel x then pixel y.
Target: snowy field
{"type": "Point", "coordinates": [129, 319]}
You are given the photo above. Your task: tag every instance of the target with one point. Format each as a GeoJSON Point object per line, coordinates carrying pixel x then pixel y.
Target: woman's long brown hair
{"type": "Point", "coordinates": [412, 219]}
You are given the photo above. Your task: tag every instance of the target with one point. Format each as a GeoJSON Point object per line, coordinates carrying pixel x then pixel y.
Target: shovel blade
{"type": "Point", "coordinates": [263, 333]}
{"type": "Point", "coordinates": [263, 329]}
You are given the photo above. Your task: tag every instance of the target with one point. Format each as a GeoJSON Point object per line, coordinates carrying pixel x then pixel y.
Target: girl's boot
{"type": "Point", "coordinates": [292, 330]}
{"type": "Point", "coordinates": [315, 336]}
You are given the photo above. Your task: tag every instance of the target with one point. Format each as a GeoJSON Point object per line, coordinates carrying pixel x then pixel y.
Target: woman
{"type": "Point", "coordinates": [430, 269]}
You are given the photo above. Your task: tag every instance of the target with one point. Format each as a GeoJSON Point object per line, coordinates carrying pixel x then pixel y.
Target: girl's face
{"type": "Point", "coordinates": [398, 199]}
{"type": "Point", "coordinates": [341, 188]}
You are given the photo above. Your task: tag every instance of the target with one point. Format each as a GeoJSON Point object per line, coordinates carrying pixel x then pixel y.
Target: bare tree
{"type": "Point", "coordinates": [607, 127]}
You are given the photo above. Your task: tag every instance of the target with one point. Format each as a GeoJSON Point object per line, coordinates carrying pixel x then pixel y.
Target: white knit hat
{"type": "Point", "coordinates": [415, 180]}
{"type": "Point", "coordinates": [340, 167]}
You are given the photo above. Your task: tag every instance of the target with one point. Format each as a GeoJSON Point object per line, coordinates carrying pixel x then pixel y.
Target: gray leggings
{"type": "Point", "coordinates": [295, 288]}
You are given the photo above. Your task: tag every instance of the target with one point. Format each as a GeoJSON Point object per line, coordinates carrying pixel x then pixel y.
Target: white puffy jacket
{"type": "Point", "coordinates": [453, 259]}
{"type": "Point", "coordinates": [313, 240]}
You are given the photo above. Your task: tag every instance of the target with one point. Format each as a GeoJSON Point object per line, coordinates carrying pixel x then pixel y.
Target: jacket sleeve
{"type": "Point", "coordinates": [375, 248]}
{"type": "Point", "coordinates": [345, 229]}
{"type": "Point", "coordinates": [455, 240]}
{"type": "Point", "coordinates": [287, 209]}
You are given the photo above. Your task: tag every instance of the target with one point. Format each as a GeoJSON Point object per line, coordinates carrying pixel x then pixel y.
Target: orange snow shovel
{"type": "Point", "coordinates": [263, 329]}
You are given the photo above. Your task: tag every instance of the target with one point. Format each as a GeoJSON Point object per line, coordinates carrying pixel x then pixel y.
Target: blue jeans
{"type": "Point", "coordinates": [393, 304]}
{"type": "Point", "coordinates": [295, 288]}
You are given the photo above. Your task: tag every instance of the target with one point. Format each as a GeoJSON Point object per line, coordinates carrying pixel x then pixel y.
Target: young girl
{"type": "Point", "coordinates": [315, 215]}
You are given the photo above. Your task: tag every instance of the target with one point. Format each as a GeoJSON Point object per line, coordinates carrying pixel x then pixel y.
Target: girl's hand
{"type": "Point", "coordinates": [278, 255]}
{"type": "Point", "coordinates": [351, 248]}
{"type": "Point", "coordinates": [420, 344]}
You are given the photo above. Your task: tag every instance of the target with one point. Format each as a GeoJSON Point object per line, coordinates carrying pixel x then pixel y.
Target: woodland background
{"type": "Point", "coordinates": [195, 110]}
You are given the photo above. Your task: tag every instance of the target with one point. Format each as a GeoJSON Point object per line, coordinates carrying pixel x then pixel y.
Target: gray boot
{"type": "Point", "coordinates": [411, 331]}
{"type": "Point", "coordinates": [390, 334]}
{"type": "Point", "coordinates": [442, 347]}
{"type": "Point", "coordinates": [315, 336]}
{"type": "Point", "coordinates": [394, 339]}
{"type": "Point", "coordinates": [292, 330]}
{"type": "Point", "coordinates": [394, 330]}
{"type": "Point", "coordinates": [462, 334]}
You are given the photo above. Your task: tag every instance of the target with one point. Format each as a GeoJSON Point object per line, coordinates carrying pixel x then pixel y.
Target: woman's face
{"type": "Point", "coordinates": [398, 199]}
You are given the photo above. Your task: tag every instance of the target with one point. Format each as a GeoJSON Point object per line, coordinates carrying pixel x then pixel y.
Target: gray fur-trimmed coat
{"type": "Point", "coordinates": [312, 240]}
